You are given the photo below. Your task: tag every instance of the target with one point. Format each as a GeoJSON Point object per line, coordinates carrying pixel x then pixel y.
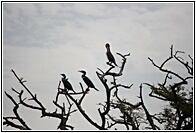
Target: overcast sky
{"type": "Point", "coordinates": [42, 40]}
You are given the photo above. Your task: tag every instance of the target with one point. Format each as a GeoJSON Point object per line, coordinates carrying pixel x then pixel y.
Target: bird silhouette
{"type": "Point", "coordinates": [66, 83]}
{"type": "Point", "coordinates": [109, 55]}
{"type": "Point", "coordinates": [88, 82]}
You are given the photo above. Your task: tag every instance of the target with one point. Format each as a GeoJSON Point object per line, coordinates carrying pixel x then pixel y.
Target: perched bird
{"type": "Point", "coordinates": [109, 54]}
{"type": "Point", "coordinates": [66, 83]}
{"type": "Point", "coordinates": [87, 80]}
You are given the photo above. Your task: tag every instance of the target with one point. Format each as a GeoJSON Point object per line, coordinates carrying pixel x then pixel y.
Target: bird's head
{"type": "Point", "coordinates": [63, 75]}
{"type": "Point", "coordinates": [107, 45]}
{"type": "Point", "coordinates": [82, 71]}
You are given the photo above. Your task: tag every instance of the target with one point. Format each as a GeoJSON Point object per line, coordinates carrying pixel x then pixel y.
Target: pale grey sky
{"type": "Point", "coordinates": [42, 40]}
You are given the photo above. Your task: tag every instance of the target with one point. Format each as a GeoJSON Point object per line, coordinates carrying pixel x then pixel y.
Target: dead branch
{"type": "Point", "coordinates": [78, 104]}
{"type": "Point", "coordinates": [118, 121]}
{"type": "Point", "coordinates": [149, 118]}
{"type": "Point", "coordinates": [124, 102]}
{"type": "Point", "coordinates": [187, 66]}
{"type": "Point", "coordinates": [15, 110]}
{"type": "Point", "coordinates": [22, 83]}
{"type": "Point", "coordinates": [170, 93]}
{"type": "Point", "coordinates": [121, 68]}
{"type": "Point", "coordinates": [63, 116]}
{"type": "Point", "coordinates": [7, 122]}
{"type": "Point", "coordinates": [108, 89]}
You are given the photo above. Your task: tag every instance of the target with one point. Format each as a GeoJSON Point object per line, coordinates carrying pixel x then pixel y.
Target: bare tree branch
{"type": "Point", "coordinates": [132, 116]}
{"type": "Point", "coordinates": [15, 110]}
{"type": "Point", "coordinates": [78, 105]}
{"type": "Point", "coordinates": [149, 118]}
{"type": "Point", "coordinates": [188, 67]}
{"type": "Point", "coordinates": [62, 116]}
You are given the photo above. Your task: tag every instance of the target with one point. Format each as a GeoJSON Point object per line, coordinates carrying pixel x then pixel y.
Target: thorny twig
{"type": "Point", "coordinates": [23, 125]}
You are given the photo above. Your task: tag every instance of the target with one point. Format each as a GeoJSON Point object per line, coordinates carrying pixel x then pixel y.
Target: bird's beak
{"type": "Point", "coordinates": [79, 71]}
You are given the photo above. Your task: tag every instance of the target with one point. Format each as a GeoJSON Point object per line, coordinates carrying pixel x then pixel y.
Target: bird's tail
{"type": "Point", "coordinates": [115, 64]}
{"type": "Point", "coordinates": [96, 89]}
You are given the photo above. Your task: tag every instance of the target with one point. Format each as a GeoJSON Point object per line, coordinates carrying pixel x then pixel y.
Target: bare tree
{"type": "Point", "coordinates": [63, 115]}
{"type": "Point", "coordinates": [178, 115]}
